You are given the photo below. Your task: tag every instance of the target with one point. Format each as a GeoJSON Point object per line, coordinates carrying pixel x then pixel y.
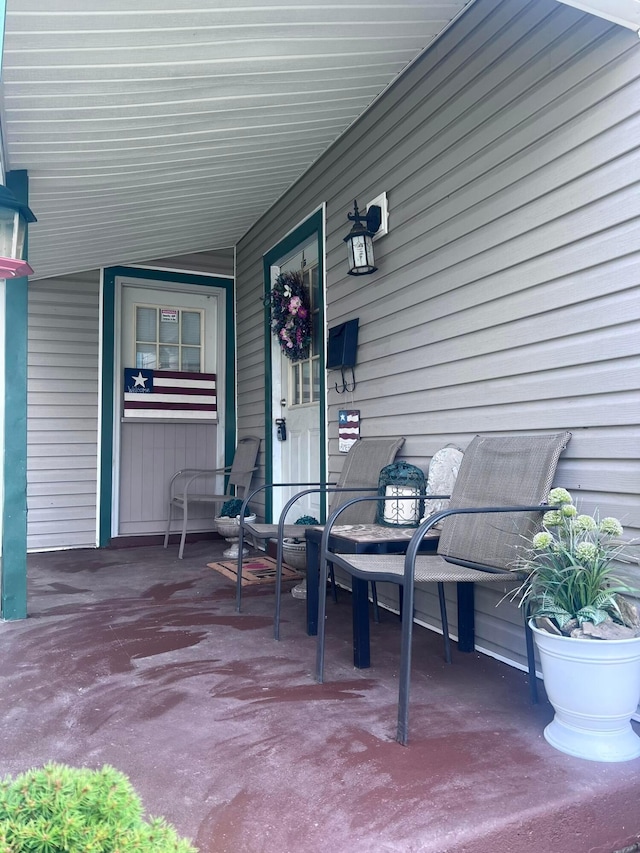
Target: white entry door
{"type": "Point", "coordinates": [296, 396]}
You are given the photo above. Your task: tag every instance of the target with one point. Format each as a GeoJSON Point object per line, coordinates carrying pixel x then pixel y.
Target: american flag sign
{"type": "Point", "coordinates": [169, 394]}
{"type": "Point", "coordinates": [348, 429]}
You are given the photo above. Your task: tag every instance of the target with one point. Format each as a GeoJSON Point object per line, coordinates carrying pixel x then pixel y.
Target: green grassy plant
{"type": "Point", "coordinates": [571, 564]}
{"type": "Point", "coordinates": [60, 809]}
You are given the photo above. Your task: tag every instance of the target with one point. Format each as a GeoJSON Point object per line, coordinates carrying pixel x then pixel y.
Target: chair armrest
{"type": "Point", "coordinates": [265, 486]}
{"type": "Point", "coordinates": [191, 475]}
{"type": "Point", "coordinates": [423, 529]}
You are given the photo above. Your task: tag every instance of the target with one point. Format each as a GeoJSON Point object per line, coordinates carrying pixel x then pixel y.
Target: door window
{"type": "Point", "coordinates": [168, 338]}
{"type": "Point", "coordinates": [304, 375]}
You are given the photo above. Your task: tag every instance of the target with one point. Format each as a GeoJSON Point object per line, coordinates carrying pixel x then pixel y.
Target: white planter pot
{"type": "Point", "coordinates": [294, 553]}
{"type": "Point", "coordinates": [594, 687]}
{"type": "Point", "coordinates": [229, 529]}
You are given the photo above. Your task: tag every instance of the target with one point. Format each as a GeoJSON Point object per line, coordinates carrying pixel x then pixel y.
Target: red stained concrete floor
{"type": "Point", "coordinates": [136, 659]}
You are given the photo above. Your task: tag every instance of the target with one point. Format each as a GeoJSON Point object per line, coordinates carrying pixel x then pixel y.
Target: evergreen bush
{"type": "Point", "coordinates": [60, 809]}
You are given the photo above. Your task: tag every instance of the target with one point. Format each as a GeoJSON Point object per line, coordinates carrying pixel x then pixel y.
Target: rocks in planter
{"type": "Point", "coordinates": [607, 630]}
{"type": "Point", "coordinates": [629, 611]}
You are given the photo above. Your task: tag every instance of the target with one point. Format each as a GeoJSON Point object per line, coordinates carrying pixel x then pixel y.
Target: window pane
{"type": "Point", "coordinates": [191, 359]}
{"type": "Point", "coordinates": [8, 220]}
{"type": "Point", "coordinates": [146, 356]}
{"type": "Point", "coordinates": [191, 327]}
{"type": "Point", "coordinates": [146, 324]}
{"type": "Point", "coordinates": [169, 358]}
{"type": "Point", "coordinates": [295, 385]}
{"type": "Point", "coordinates": [315, 333]}
{"type": "Point", "coordinates": [306, 384]}
{"type": "Point", "coordinates": [169, 330]}
{"type": "Point", "coordinates": [315, 368]}
{"type": "Point", "coordinates": [315, 287]}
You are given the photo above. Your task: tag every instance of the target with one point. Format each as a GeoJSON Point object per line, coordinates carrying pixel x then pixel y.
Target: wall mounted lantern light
{"type": "Point", "coordinates": [360, 239]}
{"type": "Point", "coordinates": [14, 217]}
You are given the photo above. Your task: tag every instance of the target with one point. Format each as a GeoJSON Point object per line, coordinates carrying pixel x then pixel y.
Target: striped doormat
{"type": "Point", "coordinates": [255, 570]}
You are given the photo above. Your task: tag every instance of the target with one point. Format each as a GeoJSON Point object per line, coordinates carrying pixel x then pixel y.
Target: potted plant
{"type": "Point", "coordinates": [227, 524]}
{"type": "Point", "coordinates": [294, 553]}
{"type": "Point", "coordinates": [586, 631]}
{"type": "Point", "coordinates": [57, 809]}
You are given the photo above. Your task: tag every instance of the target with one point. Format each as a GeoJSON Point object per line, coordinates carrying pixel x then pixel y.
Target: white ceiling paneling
{"type": "Point", "coordinates": [126, 112]}
{"type": "Point", "coordinates": [623, 12]}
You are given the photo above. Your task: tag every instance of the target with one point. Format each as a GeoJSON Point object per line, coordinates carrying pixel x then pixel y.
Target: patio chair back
{"type": "Point", "coordinates": [499, 471]}
{"type": "Point", "coordinates": [243, 466]}
{"type": "Point", "coordinates": [361, 469]}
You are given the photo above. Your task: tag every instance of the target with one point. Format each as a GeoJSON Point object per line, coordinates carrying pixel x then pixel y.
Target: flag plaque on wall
{"type": "Point", "coordinates": [348, 429]}
{"type": "Point", "coordinates": [169, 394]}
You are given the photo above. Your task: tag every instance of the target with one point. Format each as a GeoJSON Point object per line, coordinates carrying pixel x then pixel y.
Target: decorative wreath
{"type": "Point", "coordinates": [291, 315]}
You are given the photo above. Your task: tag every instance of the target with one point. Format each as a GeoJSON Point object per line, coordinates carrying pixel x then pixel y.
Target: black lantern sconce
{"type": "Point", "coordinates": [14, 217]}
{"type": "Point", "coordinates": [360, 239]}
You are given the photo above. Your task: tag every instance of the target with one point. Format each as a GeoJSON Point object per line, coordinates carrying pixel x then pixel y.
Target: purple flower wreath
{"type": "Point", "coordinates": [291, 315]}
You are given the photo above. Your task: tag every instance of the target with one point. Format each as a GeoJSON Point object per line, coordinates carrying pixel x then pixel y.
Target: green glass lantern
{"type": "Point", "coordinates": [407, 483]}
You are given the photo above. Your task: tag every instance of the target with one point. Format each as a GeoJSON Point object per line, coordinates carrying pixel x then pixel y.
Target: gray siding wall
{"type": "Point", "coordinates": [507, 297]}
{"type": "Point", "coordinates": [62, 432]}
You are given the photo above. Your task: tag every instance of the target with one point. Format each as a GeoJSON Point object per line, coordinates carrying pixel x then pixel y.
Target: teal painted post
{"type": "Point", "coordinates": [14, 510]}
{"type": "Point", "coordinates": [106, 445]}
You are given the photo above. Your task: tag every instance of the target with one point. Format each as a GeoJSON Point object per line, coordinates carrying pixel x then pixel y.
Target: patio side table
{"type": "Point", "coordinates": [374, 539]}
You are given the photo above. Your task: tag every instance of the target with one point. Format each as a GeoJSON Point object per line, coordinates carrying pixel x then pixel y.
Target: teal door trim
{"type": "Point", "coordinates": [108, 352]}
{"type": "Point", "coordinates": [314, 225]}
{"type": "Point", "coordinates": [13, 598]}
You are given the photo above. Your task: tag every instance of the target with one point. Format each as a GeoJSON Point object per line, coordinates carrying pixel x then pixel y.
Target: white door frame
{"type": "Point", "coordinates": [159, 286]}
{"type": "Point", "coordinates": [312, 225]}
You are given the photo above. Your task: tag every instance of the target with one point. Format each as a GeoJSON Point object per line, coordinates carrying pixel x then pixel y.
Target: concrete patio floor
{"type": "Point", "coordinates": [133, 658]}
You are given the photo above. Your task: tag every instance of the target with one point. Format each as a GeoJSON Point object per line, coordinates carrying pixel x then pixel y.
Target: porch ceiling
{"type": "Point", "coordinates": [151, 128]}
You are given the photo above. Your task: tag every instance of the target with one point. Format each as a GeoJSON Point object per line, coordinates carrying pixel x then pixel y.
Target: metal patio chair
{"type": "Point", "coordinates": [360, 472]}
{"type": "Point", "coordinates": [189, 486]}
{"type": "Point", "coordinates": [497, 499]}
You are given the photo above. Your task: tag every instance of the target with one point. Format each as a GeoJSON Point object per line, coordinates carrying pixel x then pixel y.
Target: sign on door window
{"type": "Point", "coordinates": [168, 338]}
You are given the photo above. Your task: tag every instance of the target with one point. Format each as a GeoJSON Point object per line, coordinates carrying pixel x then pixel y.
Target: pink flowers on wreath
{"type": "Point", "coordinates": [290, 315]}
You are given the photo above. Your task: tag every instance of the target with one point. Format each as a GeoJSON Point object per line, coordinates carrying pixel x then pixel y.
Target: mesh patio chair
{"type": "Point", "coordinates": [496, 500]}
{"type": "Point", "coordinates": [189, 486]}
{"type": "Point", "coordinates": [359, 474]}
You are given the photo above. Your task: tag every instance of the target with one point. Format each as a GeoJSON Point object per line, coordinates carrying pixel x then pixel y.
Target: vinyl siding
{"type": "Point", "coordinates": [62, 431]}
{"type": "Point", "coordinates": [507, 297]}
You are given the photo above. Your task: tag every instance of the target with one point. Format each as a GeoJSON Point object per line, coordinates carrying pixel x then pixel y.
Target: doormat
{"type": "Point", "coordinates": [254, 570]}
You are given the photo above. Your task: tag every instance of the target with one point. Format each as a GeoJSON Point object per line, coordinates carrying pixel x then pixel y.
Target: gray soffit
{"type": "Point", "coordinates": [155, 128]}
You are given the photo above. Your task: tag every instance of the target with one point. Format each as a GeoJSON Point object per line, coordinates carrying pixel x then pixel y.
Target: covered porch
{"type": "Point", "coordinates": [134, 658]}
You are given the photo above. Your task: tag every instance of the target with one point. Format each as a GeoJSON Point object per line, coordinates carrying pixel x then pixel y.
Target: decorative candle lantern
{"type": "Point", "coordinates": [406, 483]}
{"type": "Point", "coordinates": [14, 217]}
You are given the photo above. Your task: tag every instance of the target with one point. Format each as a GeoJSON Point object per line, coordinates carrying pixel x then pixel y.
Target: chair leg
{"type": "Point", "coordinates": [276, 617]}
{"type": "Point", "coordinates": [402, 734]}
{"type": "Point", "coordinates": [183, 535]}
{"type": "Point", "coordinates": [334, 585]}
{"type": "Point", "coordinates": [531, 661]}
{"type": "Point", "coordinates": [322, 613]}
{"type": "Point", "coordinates": [168, 530]}
{"type": "Point", "coordinates": [374, 596]}
{"type": "Point", "coordinates": [445, 623]}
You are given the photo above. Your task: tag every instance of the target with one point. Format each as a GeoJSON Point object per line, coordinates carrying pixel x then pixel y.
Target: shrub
{"type": "Point", "coordinates": [59, 809]}
{"type": "Point", "coordinates": [233, 507]}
